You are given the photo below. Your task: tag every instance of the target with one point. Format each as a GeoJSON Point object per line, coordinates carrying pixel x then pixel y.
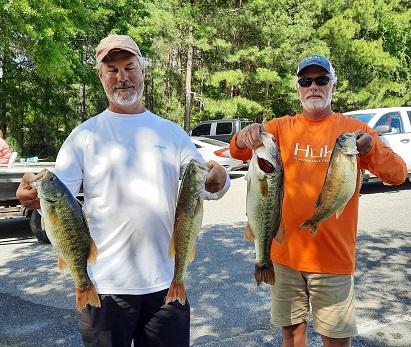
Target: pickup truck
{"type": "Point", "coordinates": [393, 124]}
{"type": "Point", "coordinates": [10, 178]}
{"type": "Point", "coordinates": [220, 129]}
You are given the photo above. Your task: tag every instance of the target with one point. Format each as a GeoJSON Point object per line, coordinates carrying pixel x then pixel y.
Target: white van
{"type": "Point", "coordinates": [393, 124]}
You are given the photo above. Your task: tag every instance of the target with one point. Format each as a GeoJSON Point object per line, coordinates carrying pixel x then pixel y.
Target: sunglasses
{"type": "Point", "coordinates": [320, 81]}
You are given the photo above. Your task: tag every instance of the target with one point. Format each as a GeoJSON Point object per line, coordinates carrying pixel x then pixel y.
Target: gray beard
{"type": "Point", "coordinates": [125, 98]}
{"type": "Point", "coordinates": [316, 104]}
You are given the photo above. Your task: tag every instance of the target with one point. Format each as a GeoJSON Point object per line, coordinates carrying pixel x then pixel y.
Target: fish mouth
{"type": "Point", "coordinates": [50, 200]}
{"type": "Point", "coordinates": [265, 165]}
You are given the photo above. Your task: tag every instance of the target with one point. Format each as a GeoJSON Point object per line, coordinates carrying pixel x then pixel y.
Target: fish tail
{"type": "Point", "coordinates": [264, 274]}
{"type": "Point", "coordinates": [177, 291]}
{"type": "Point", "coordinates": [310, 225]}
{"type": "Point", "coordinates": [87, 296]}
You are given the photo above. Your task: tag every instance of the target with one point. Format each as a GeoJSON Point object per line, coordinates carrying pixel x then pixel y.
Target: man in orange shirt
{"type": "Point", "coordinates": [317, 269]}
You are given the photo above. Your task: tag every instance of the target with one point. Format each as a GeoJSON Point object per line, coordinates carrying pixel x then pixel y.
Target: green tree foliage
{"type": "Point", "coordinates": [207, 59]}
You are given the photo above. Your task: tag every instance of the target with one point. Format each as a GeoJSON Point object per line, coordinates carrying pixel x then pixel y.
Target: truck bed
{"type": "Point", "coordinates": [10, 178]}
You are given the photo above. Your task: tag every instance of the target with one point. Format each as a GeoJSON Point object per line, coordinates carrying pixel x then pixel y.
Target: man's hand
{"type": "Point", "coordinates": [27, 194]}
{"type": "Point", "coordinates": [216, 177]}
{"type": "Point", "coordinates": [250, 136]}
{"type": "Point", "coordinates": [364, 142]}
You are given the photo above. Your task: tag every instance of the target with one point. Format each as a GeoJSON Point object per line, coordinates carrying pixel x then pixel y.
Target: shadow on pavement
{"type": "Point", "coordinates": [383, 292]}
{"type": "Point", "coordinates": [379, 187]}
{"type": "Point", "coordinates": [36, 298]}
{"type": "Point", "coordinates": [22, 325]}
{"type": "Point", "coordinates": [228, 309]}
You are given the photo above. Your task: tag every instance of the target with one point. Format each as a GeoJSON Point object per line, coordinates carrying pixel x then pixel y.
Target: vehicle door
{"type": "Point", "coordinates": [224, 131]}
{"type": "Point", "coordinates": [203, 129]}
{"type": "Point", "coordinates": [399, 135]}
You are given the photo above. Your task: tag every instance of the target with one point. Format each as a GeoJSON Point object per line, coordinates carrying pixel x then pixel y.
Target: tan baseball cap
{"type": "Point", "coordinates": [115, 43]}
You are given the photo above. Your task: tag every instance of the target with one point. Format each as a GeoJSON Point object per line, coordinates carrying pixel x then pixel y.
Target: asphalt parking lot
{"type": "Point", "coordinates": [228, 309]}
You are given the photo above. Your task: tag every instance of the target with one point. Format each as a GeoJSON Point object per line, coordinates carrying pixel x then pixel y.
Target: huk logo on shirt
{"type": "Point", "coordinates": [312, 154]}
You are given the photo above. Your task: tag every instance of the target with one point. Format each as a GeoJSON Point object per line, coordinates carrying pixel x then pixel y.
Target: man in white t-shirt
{"type": "Point", "coordinates": [129, 162]}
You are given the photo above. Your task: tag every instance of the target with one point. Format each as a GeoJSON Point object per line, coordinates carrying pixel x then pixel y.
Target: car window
{"type": "Point", "coordinates": [244, 124]}
{"type": "Point", "coordinates": [363, 117]}
{"type": "Point", "coordinates": [409, 115]}
{"type": "Point", "coordinates": [394, 120]}
{"type": "Point", "coordinates": [224, 128]}
{"type": "Point", "coordinates": [201, 129]}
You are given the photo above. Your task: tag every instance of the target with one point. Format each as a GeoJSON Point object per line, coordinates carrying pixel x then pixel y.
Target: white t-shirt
{"type": "Point", "coordinates": [129, 165]}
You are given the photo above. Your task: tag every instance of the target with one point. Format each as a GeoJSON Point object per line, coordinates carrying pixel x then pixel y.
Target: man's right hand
{"type": "Point", "coordinates": [250, 136]}
{"type": "Point", "coordinates": [26, 194]}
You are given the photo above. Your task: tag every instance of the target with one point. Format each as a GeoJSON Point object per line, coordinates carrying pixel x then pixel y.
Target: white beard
{"type": "Point", "coordinates": [316, 104]}
{"type": "Point", "coordinates": [125, 98]}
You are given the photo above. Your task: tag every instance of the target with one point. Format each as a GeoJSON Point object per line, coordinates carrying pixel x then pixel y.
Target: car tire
{"type": "Point", "coordinates": [35, 226]}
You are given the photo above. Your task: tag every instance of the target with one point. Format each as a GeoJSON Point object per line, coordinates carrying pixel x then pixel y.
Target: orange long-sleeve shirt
{"type": "Point", "coordinates": [306, 147]}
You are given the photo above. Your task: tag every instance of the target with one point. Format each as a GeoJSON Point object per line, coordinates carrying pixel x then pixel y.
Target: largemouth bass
{"type": "Point", "coordinates": [67, 230]}
{"type": "Point", "coordinates": [265, 190]}
{"type": "Point", "coordinates": [339, 183]}
{"type": "Point", "coordinates": [188, 219]}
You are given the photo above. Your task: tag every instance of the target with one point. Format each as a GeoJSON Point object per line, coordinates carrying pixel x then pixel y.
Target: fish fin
{"type": "Point", "coordinates": [87, 296]}
{"type": "Point", "coordinates": [248, 233]}
{"type": "Point", "coordinates": [310, 225]}
{"type": "Point", "coordinates": [92, 255]}
{"type": "Point", "coordinates": [177, 291]}
{"type": "Point", "coordinates": [84, 218]}
{"type": "Point", "coordinates": [53, 218]}
{"type": "Point", "coordinates": [198, 208]}
{"type": "Point", "coordinates": [264, 274]}
{"type": "Point", "coordinates": [264, 187]}
{"type": "Point", "coordinates": [61, 264]}
{"type": "Point", "coordinates": [339, 212]}
{"type": "Point", "coordinates": [42, 223]}
{"type": "Point", "coordinates": [193, 253]}
{"type": "Point", "coordinates": [280, 235]}
{"type": "Point", "coordinates": [171, 249]}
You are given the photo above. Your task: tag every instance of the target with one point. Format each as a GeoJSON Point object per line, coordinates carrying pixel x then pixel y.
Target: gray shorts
{"type": "Point", "coordinates": [331, 298]}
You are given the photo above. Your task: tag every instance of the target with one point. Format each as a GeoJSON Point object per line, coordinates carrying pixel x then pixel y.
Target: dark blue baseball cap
{"type": "Point", "coordinates": [315, 59]}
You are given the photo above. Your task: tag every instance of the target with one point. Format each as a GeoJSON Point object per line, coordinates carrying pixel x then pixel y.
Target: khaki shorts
{"type": "Point", "coordinates": [331, 298]}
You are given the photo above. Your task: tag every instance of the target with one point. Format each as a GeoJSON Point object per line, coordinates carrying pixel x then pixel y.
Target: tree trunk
{"type": "Point", "coordinates": [82, 92]}
{"type": "Point", "coordinates": [189, 73]}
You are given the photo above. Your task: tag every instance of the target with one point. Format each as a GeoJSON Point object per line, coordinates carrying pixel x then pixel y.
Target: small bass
{"type": "Point", "coordinates": [67, 229]}
{"type": "Point", "coordinates": [339, 184]}
{"type": "Point", "coordinates": [187, 225]}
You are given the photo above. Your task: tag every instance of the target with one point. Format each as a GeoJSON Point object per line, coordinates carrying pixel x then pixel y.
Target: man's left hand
{"type": "Point", "coordinates": [216, 177]}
